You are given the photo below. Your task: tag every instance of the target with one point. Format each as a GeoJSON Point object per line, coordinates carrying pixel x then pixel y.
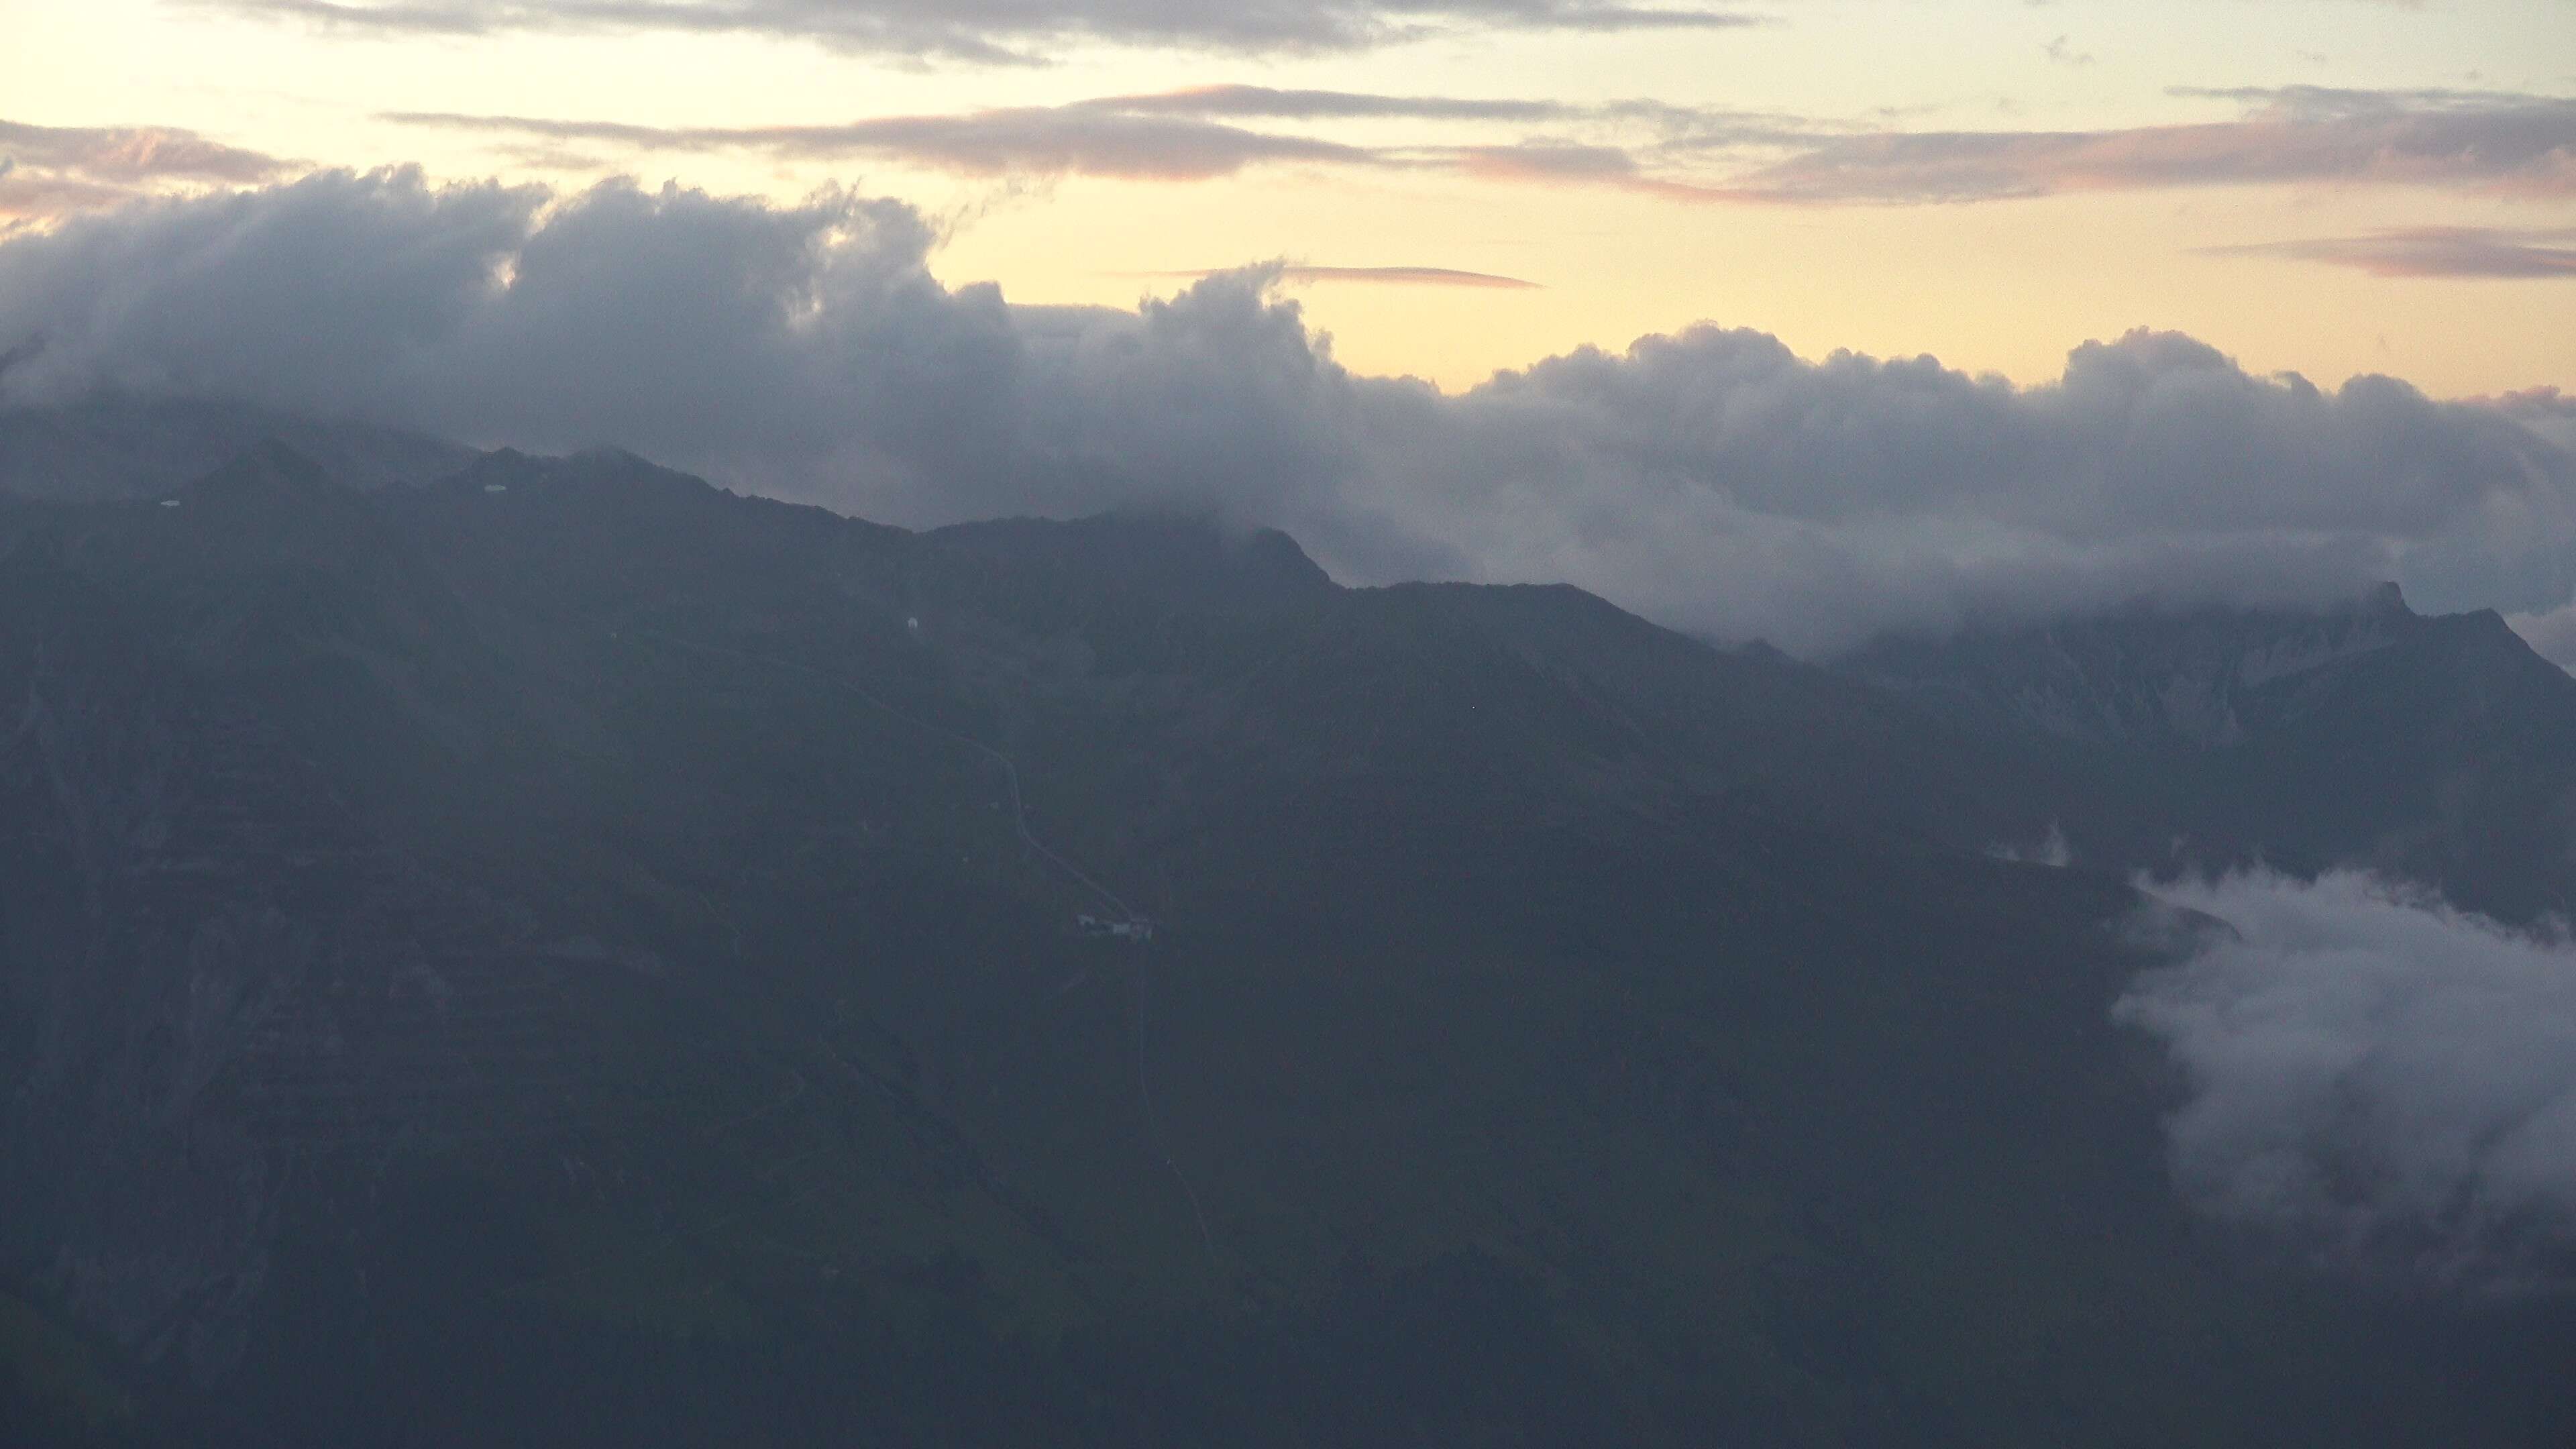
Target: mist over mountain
{"type": "Point", "coordinates": [2379, 1075]}
{"type": "Point", "coordinates": [109, 446]}
{"type": "Point", "coordinates": [559, 952]}
{"type": "Point", "coordinates": [1710, 479]}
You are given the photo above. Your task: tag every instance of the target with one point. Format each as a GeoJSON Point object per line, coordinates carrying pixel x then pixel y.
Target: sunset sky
{"type": "Point", "coordinates": [2327, 186]}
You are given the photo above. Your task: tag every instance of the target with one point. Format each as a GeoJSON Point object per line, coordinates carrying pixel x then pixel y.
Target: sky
{"type": "Point", "coordinates": [2328, 186]}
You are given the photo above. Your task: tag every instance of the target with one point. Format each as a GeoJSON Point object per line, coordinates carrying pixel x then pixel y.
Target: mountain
{"type": "Point", "coordinates": [562, 954]}
{"type": "Point", "coordinates": [110, 445]}
{"type": "Point", "coordinates": [2440, 749]}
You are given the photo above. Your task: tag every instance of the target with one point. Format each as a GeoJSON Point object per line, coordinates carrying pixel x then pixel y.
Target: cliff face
{"type": "Point", "coordinates": [216, 959]}
{"type": "Point", "coordinates": [2194, 681]}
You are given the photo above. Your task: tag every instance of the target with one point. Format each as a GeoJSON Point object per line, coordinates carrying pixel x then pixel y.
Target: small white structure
{"type": "Point", "coordinates": [496, 487]}
{"type": "Point", "coordinates": [169, 502]}
{"type": "Point", "coordinates": [1137, 929]}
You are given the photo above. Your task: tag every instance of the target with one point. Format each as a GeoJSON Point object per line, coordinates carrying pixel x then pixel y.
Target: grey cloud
{"type": "Point", "coordinates": [2500, 142]}
{"type": "Point", "coordinates": [1548, 161]}
{"type": "Point", "coordinates": [48, 170]}
{"type": "Point", "coordinates": [1179, 136]}
{"type": "Point", "coordinates": [2326, 103]}
{"type": "Point", "coordinates": [2544, 410]}
{"type": "Point", "coordinates": [1407, 277]}
{"type": "Point", "coordinates": [1290, 272]}
{"type": "Point", "coordinates": [133, 153]}
{"type": "Point", "coordinates": [2388, 1079]}
{"type": "Point", "coordinates": [1716, 480]}
{"type": "Point", "coordinates": [1710, 479]}
{"type": "Point", "coordinates": [1035, 140]}
{"type": "Point", "coordinates": [2435, 251]}
{"type": "Point", "coordinates": [2551, 635]}
{"type": "Point", "coordinates": [1310, 105]}
{"type": "Point", "coordinates": [1005, 31]}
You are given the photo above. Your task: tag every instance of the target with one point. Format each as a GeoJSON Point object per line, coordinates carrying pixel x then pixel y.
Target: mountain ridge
{"type": "Point", "coordinates": [541, 995]}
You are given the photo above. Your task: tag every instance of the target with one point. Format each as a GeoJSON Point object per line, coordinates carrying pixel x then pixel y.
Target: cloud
{"type": "Point", "coordinates": [2390, 1079]}
{"type": "Point", "coordinates": [1268, 103]}
{"type": "Point", "coordinates": [2478, 142]}
{"type": "Point", "coordinates": [1711, 479]}
{"type": "Point", "coordinates": [2551, 635]}
{"type": "Point", "coordinates": [2435, 251]}
{"type": "Point", "coordinates": [1042, 141]}
{"type": "Point", "coordinates": [1006, 31]}
{"type": "Point", "coordinates": [2493, 142]}
{"type": "Point", "coordinates": [49, 170]}
{"type": "Point", "coordinates": [2545, 410]}
{"type": "Point", "coordinates": [1383, 276]}
{"type": "Point", "coordinates": [1184, 135]}
{"type": "Point", "coordinates": [2059, 51]}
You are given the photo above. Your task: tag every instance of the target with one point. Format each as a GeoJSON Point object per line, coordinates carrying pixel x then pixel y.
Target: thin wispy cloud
{"type": "Point", "coordinates": [1270, 103]}
{"type": "Point", "coordinates": [2512, 144]}
{"type": "Point", "coordinates": [1006, 31]}
{"type": "Point", "coordinates": [1064, 140]}
{"type": "Point", "coordinates": [49, 170]}
{"type": "Point", "coordinates": [1186, 135]}
{"type": "Point", "coordinates": [2489, 143]}
{"type": "Point", "coordinates": [2063, 52]}
{"type": "Point", "coordinates": [1292, 272]}
{"type": "Point", "coordinates": [2434, 251]}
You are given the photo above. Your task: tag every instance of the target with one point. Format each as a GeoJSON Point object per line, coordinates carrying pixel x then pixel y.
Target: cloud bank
{"type": "Point", "coordinates": [1711, 479]}
{"type": "Point", "coordinates": [2379, 1074]}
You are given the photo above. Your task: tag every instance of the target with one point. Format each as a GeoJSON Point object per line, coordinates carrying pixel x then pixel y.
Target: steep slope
{"type": "Point", "coordinates": [111, 446]}
{"type": "Point", "coordinates": [565, 955]}
{"type": "Point", "coordinates": [2442, 749]}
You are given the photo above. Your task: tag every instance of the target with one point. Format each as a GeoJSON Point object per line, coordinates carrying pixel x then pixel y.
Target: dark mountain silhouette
{"type": "Point", "coordinates": [563, 954]}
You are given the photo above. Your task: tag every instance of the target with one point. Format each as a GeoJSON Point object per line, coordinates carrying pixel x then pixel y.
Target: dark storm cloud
{"type": "Point", "coordinates": [1711, 479]}
{"type": "Point", "coordinates": [2380, 1075]}
{"type": "Point", "coordinates": [1009, 31]}
{"type": "Point", "coordinates": [2435, 251]}
{"type": "Point", "coordinates": [46, 170]}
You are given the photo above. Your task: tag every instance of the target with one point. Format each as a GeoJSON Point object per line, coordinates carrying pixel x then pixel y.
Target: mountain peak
{"type": "Point", "coordinates": [1183, 560]}
{"type": "Point", "coordinates": [2196, 679]}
